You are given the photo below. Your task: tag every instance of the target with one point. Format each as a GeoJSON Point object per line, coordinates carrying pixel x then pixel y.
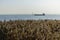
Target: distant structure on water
{"type": "Point", "coordinates": [39, 14]}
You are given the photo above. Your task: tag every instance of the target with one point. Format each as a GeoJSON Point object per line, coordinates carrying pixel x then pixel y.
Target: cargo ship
{"type": "Point", "coordinates": [39, 14]}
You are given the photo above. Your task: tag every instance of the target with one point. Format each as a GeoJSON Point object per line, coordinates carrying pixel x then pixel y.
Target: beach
{"type": "Point", "coordinates": [30, 30]}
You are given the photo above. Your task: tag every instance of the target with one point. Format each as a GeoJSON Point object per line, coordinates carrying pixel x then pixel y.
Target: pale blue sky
{"type": "Point", "coordinates": [29, 6]}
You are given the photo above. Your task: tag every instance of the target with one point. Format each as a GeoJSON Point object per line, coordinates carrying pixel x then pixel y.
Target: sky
{"type": "Point", "coordinates": [29, 6]}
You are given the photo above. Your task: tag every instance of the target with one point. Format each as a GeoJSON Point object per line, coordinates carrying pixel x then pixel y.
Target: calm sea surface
{"type": "Point", "coordinates": [28, 17]}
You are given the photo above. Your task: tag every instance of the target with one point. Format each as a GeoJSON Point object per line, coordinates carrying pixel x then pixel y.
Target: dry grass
{"type": "Point", "coordinates": [30, 30]}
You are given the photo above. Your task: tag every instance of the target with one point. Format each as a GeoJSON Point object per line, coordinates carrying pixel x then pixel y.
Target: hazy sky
{"type": "Point", "coordinates": [29, 6]}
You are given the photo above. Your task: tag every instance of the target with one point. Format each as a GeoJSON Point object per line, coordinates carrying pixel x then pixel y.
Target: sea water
{"type": "Point", "coordinates": [28, 17]}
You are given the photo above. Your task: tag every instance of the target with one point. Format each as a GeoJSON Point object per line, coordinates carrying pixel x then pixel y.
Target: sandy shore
{"type": "Point", "coordinates": [30, 30]}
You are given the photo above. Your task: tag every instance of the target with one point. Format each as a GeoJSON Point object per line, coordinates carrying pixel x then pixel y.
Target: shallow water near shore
{"type": "Point", "coordinates": [28, 17]}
